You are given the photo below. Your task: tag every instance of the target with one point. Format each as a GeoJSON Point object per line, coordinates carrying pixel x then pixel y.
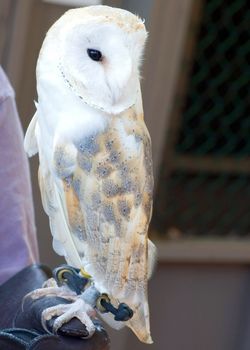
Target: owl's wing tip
{"type": "Point", "coordinates": [147, 339]}
{"type": "Point", "coordinates": [30, 142]}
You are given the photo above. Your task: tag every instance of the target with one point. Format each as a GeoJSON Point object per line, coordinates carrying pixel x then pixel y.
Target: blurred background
{"type": "Point", "coordinates": [196, 83]}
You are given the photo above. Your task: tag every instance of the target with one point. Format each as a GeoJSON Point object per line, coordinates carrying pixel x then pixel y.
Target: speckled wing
{"type": "Point", "coordinates": [99, 200]}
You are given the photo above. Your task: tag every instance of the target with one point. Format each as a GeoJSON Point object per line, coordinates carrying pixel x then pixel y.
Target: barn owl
{"type": "Point", "coordinates": [95, 172]}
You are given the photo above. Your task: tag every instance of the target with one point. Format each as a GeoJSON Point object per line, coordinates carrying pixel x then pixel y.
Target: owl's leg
{"type": "Point", "coordinates": [92, 298]}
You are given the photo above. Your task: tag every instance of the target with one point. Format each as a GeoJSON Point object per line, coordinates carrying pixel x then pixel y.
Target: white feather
{"type": "Point", "coordinates": [152, 256]}
{"type": "Point", "coordinates": [30, 142]}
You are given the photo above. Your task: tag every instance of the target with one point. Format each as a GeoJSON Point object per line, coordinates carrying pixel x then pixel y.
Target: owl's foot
{"type": "Point", "coordinates": [66, 312]}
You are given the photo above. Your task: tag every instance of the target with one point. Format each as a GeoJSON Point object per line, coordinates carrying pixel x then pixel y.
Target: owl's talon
{"type": "Point", "coordinates": [66, 312]}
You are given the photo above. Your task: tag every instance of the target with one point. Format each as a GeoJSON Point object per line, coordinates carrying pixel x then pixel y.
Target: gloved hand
{"type": "Point", "coordinates": [21, 328]}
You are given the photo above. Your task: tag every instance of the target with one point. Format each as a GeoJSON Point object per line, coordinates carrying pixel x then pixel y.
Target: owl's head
{"type": "Point", "coordinates": [98, 51]}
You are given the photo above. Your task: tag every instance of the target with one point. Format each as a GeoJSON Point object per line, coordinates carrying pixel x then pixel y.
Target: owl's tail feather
{"type": "Point", "coordinates": [139, 323]}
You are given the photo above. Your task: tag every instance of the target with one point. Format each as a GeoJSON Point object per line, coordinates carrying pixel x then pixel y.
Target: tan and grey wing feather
{"type": "Point", "coordinates": [99, 200]}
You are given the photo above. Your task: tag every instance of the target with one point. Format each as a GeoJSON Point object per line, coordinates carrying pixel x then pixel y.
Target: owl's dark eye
{"type": "Point", "coordinates": [95, 55]}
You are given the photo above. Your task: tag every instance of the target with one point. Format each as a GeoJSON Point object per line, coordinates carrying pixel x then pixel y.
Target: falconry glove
{"type": "Point", "coordinates": [21, 326]}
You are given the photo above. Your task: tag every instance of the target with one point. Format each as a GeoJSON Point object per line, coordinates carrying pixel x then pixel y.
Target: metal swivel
{"type": "Point", "coordinates": [72, 277]}
{"type": "Point", "coordinates": [122, 313]}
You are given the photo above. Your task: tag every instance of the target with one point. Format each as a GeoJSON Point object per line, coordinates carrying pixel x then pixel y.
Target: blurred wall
{"type": "Point", "coordinates": [198, 307]}
{"type": "Point", "coordinates": [142, 8]}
